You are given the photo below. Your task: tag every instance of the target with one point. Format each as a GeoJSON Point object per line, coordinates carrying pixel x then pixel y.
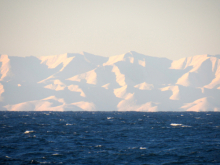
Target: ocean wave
{"type": "Point", "coordinates": [83, 138]}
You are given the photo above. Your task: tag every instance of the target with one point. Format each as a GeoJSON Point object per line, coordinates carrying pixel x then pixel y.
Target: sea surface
{"type": "Point", "coordinates": [109, 138]}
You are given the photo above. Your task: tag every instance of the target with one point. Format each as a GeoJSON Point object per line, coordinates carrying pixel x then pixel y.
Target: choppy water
{"type": "Point", "coordinates": [109, 138]}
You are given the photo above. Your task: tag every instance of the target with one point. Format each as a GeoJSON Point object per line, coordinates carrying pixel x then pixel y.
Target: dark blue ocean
{"type": "Point", "coordinates": [109, 138]}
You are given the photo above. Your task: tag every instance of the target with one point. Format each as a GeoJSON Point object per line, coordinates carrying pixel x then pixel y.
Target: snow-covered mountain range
{"type": "Point", "coordinates": [127, 82]}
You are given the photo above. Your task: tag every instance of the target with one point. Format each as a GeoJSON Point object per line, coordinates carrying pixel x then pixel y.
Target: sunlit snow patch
{"type": "Point", "coordinates": [106, 86]}
{"type": "Point", "coordinates": [144, 86]}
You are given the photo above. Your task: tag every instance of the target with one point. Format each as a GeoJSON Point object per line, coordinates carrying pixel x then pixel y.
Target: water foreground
{"type": "Point", "coordinates": [109, 138]}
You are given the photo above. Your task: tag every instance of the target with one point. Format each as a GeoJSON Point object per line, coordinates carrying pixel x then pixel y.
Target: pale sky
{"type": "Point", "coordinates": [161, 28]}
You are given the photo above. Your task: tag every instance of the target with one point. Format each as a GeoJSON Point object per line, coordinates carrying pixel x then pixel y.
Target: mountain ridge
{"type": "Point", "coordinates": [131, 81]}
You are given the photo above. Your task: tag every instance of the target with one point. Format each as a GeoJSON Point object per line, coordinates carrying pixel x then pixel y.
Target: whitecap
{"type": "Point", "coordinates": [143, 148]}
{"type": "Point", "coordinates": [179, 125]}
{"type": "Point", "coordinates": [175, 124]}
{"type": "Point", "coordinates": [68, 124]}
{"type": "Point", "coordinates": [110, 118]}
{"type": "Point", "coordinates": [98, 146]}
{"type": "Point", "coordinates": [26, 132]}
{"type": "Point", "coordinates": [56, 154]}
{"type": "Point", "coordinates": [186, 126]}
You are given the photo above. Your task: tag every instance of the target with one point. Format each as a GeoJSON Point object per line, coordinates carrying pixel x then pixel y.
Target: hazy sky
{"type": "Point", "coordinates": [162, 28]}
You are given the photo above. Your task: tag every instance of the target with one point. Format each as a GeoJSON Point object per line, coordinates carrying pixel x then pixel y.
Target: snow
{"type": "Point", "coordinates": [144, 86]}
{"type": "Point", "coordinates": [142, 63]}
{"type": "Point", "coordinates": [1, 91]}
{"type": "Point", "coordinates": [87, 106]}
{"type": "Point", "coordinates": [54, 61]}
{"type": "Point", "coordinates": [57, 85]}
{"type": "Point", "coordinates": [121, 92]}
{"type": "Point", "coordinates": [114, 59]}
{"type": "Point", "coordinates": [127, 82]}
{"type": "Point", "coordinates": [5, 66]}
{"type": "Point", "coordinates": [106, 86]}
{"type": "Point", "coordinates": [120, 78]}
{"type": "Point", "coordinates": [202, 104]}
{"type": "Point", "coordinates": [90, 77]}
{"type": "Point", "coordinates": [174, 89]}
{"type": "Point", "coordinates": [75, 88]}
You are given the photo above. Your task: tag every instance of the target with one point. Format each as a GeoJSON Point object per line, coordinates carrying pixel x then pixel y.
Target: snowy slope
{"type": "Point", "coordinates": [127, 82]}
